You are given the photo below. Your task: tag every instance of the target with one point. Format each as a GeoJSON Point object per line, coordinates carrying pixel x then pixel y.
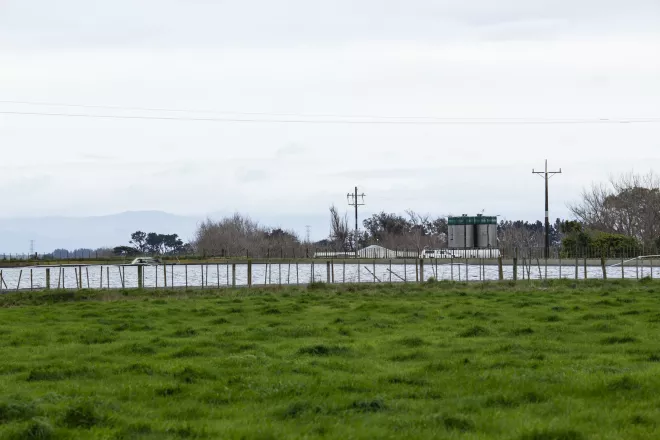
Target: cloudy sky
{"type": "Point", "coordinates": [451, 68]}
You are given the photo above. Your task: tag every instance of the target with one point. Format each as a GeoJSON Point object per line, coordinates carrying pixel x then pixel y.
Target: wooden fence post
{"type": "Point", "coordinates": [47, 279]}
{"type": "Point", "coordinates": [585, 268]}
{"type": "Point", "coordinates": [500, 268]}
{"type": "Point", "coordinates": [515, 266]}
{"type": "Point", "coordinates": [249, 270]}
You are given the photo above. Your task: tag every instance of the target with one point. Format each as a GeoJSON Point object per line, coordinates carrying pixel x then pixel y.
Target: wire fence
{"type": "Point", "coordinates": [298, 272]}
{"type": "Point", "coordinates": [368, 252]}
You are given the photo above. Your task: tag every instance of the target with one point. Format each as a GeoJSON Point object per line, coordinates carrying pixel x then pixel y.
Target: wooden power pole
{"type": "Point", "coordinates": [354, 200]}
{"type": "Point", "coordinates": [546, 176]}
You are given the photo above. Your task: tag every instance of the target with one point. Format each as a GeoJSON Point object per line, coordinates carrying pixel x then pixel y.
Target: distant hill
{"type": "Point", "coordinates": [50, 233]}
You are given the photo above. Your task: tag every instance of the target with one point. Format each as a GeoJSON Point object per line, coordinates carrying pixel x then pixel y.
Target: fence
{"type": "Point", "coordinates": [369, 252]}
{"type": "Point", "coordinates": [296, 272]}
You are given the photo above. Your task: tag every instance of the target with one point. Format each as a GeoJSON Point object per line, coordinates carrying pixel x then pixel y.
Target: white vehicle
{"type": "Point", "coordinates": [147, 261]}
{"type": "Point", "coordinates": [460, 253]}
{"type": "Point", "coordinates": [436, 253]}
{"type": "Point", "coordinates": [476, 253]}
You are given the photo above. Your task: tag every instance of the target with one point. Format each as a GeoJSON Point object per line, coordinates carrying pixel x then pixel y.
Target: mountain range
{"type": "Point", "coordinates": [51, 233]}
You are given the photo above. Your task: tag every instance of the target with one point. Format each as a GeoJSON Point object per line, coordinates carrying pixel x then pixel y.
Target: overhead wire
{"type": "Point", "coordinates": [172, 110]}
{"type": "Point", "coordinates": [301, 118]}
{"type": "Point", "coordinates": [338, 121]}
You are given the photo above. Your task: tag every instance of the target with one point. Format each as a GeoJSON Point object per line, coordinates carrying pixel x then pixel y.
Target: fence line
{"type": "Point", "coordinates": [301, 272]}
{"type": "Point", "coordinates": [369, 252]}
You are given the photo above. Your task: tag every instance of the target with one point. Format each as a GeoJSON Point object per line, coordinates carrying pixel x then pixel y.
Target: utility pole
{"type": "Point", "coordinates": [307, 227]}
{"type": "Point", "coordinates": [547, 175]}
{"type": "Point", "coordinates": [354, 200]}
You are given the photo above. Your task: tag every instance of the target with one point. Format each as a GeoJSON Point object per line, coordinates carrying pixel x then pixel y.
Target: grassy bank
{"type": "Point", "coordinates": [531, 362]}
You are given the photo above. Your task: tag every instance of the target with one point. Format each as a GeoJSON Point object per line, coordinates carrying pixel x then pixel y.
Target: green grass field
{"type": "Point", "coordinates": [531, 362]}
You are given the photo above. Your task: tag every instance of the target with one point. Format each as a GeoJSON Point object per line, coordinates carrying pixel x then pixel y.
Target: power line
{"type": "Point", "coordinates": [161, 109]}
{"type": "Point", "coordinates": [317, 115]}
{"type": "Point", "coordinates": [338, 121]}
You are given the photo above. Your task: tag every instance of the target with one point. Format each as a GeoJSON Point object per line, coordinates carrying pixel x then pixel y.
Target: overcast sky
{"type": "Point", "coordinates": [537, 59]}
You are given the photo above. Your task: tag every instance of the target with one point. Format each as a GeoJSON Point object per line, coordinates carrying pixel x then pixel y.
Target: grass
{"type": "Point", "coordinates": [554, 361]}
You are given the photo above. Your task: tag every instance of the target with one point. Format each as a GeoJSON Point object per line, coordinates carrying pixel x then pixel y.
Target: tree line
{"type": "Point", "coordinates": [616, 218]}
{"type": "Point", "coordinates": [390, 230]}
{"type": "Point", "coordinates": [622, 214]}
{"type": "Point", "coordinates": [239, 235]}
{"type": "Point", "coordinates": [140, 243]}
{"type": "Point", "coordinates": [152, 243]}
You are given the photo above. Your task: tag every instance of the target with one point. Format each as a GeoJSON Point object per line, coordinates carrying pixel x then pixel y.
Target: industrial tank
{"type": "Point", "coordinates": [456, 236]}
{"type": "Point", "coordinates": [486, 232]}
{"type": "Point", "coordinates": [492, 235]}
{"type": "Point", "coordinates": [469, 235]}
{"type": "Point", "coordinates": [482, 236]}
{"type": "Point", "coordinates": [461, 232]}
{"type": "Point", "coordinates": [467, 232]}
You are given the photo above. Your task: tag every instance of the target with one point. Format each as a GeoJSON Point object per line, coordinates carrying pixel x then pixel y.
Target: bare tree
{"type": "Point", "coordinates": [628, 205]}
{"type": "Point", "coordinates": [425, 231]}
{"type": "Point", "coordinates": [339, 230]}
{"type": "Point", "coordinates": [413, 231]}
{"type": "Point", "coordinates": [239, 235]}
{"type": "Point", "coordinates": [521, 235]}
{"type": "Point", "coordinates": [393, 240]}
{"type": "Point", "coordinates": [418, 230]}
